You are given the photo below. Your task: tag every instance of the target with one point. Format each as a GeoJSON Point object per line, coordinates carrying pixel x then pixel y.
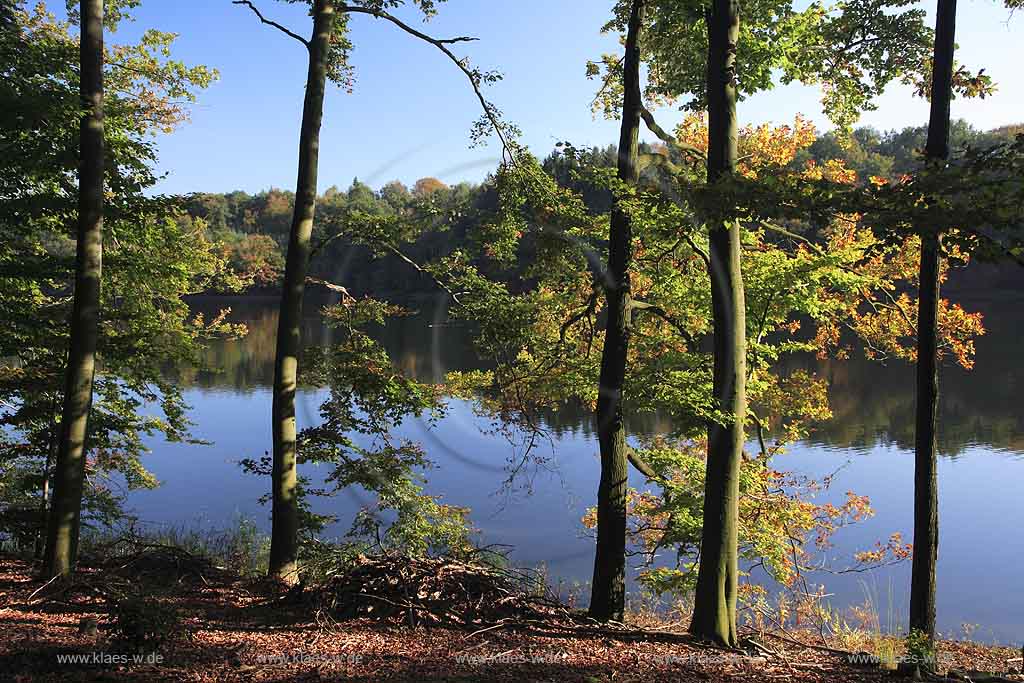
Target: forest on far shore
{"type": "Point", "coordinates": [252, 229]}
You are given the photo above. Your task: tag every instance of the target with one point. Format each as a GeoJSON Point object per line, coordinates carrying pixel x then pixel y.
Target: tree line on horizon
{"type": "Point", "coordinates": [252, 228]}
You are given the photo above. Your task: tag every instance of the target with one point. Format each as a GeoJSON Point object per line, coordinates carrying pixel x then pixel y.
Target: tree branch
{"type": "Point", "coordinates": [276, 25]}
{"type": "Point", "coordinates": [345, 294]}
{"type": "Point", "coordinates": [672, 142]}
{"type": "Point", "coordinates": [587, 311]}
{"type": "Point", "coordinates": [380, 14]}
{"type": "Point", "coordinates": [398, 252]}
{"type": "Point", "coordinates": [700, 252]}
{"type": "Point", "coordinates": [442, 45]}
{"type": "Point", "coordinates": [894, 303]}
{"type": "Point", "coordinates": [792, 235]}
{"type": "Point", "coordinates": [322, 244]}
{"type": "Point", "coordinates": [637, 305]}
{"type": "Point", "coordinates": [606, 82]}
{"type": "Point", "coordinates": [759, 427]}
{"type": "Point", "coordinates": [641, 466]}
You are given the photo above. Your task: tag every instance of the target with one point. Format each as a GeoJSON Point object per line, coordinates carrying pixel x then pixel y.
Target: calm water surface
{"type": "Point", "coordinates": [870, 441]}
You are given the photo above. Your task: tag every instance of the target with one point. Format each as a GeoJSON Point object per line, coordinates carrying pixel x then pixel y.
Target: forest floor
{"type": "Point", "coordinates": [239, 631]}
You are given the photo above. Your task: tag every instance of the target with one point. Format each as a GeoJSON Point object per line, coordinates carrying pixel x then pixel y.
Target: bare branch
{"type": "Point", "coordinates": [442, 45]}
{"type": "Point", "coordinates": [398, 252]}
{"type": "Point", "coordinates": [380, 14]}
{"type": "Point", "coordinates": [276, 25]}
{"type": "Point", "coordinates": [792, 235]}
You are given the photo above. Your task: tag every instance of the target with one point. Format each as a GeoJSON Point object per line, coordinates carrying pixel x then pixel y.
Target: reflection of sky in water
{"type": "Point", "coordinates": [981, 546]}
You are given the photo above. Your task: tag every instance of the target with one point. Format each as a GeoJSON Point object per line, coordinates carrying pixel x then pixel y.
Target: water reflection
{"type": "Point", "coordinates": [872, 403]}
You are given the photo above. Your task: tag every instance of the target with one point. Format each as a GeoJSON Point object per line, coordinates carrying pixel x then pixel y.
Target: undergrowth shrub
{"type": "Point", "coordinates": [147, 624]}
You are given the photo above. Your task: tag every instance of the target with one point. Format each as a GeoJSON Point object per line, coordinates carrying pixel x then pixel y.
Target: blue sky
{"type": "Point", "coordinates": [411, 110]}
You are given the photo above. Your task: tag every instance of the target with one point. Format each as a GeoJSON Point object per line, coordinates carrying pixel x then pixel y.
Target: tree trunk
{"type": "Point", "coordinates": [608, 589]}
{"type": "Point", "coordinates": [44, 489]}
{"type": "Point", "coordinates": [714, 614]}
{"type": "Point", "coordinates": [926, 488]}
{"type": "Point", "coordinates": [284, 542]}
{"type": "Point", "coordinates": [69, 470]}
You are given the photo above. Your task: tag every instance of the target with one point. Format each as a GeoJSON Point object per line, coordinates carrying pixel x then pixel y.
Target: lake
{"type": "Point", "coordinates": [869, 441]}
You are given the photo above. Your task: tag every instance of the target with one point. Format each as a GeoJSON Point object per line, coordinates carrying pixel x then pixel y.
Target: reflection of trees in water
{"type": "Point", "coordinates": [872, 403]}
{"type": "Point", "coordinates": [576, 420]}
{"type": "Point", "coordinates": [247, 364]}
{"type": "Point", "coordinates": [241, 365]}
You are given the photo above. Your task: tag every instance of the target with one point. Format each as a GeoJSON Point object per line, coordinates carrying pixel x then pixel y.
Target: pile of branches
{"type": "Point", "coordinates": [435, 591]}
{"type": "Point", "coordinates": [119, 569]}
{"type": "Point", "coordinates": [132, 557]}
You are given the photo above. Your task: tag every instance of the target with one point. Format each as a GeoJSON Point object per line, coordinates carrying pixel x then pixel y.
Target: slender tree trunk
{"type": "Point", "coordinates": [926, 487]}
{"type": "Point", "coordinates": [714, 614]}
{"type": "Point", "coordinates": [69, 471]}
{"type": "Point", "coordinates": [608, 589]}
{"type": "Point", "coordinates": [44, 491]}
{"type": "Point", "coordinates": [284, 542]}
